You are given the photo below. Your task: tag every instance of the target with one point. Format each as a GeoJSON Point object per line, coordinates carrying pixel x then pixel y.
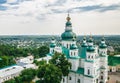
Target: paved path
{"type": "Point", "coordinates": [114, 77]}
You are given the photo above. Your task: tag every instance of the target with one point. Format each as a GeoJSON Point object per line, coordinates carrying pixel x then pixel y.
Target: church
{"type": "Point", "coordinates": [89, 61]}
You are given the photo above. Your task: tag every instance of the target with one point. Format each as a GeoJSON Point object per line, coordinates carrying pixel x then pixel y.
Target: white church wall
{"type": "Point", "coordinates": [67, 44]}
{"type": "Point", "coordinates": [75, 64]}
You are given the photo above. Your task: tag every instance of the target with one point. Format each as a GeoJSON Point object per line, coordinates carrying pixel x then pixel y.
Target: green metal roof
{"type": "Point", "coordinates": [68, 24]}
{"type": "Point", "coordinates": [73, 46]}
{"type": "Point", "coordinates": [65, 51]}
{"type": "Point", "coordinates": [68, 35]}
{"type": "Point", "coordinates": [90, 48]}
{"type": "Point", "coordinates": [91, 61]}
{"type": "Point", "coordinates": [84, 45]}
{"type": "Point", "coordinates": [52, 45]}
{"type": "Point", "coordinates": [80, 71]}
{"type": "Point", "coordinates": [82, 52]}
{"type": "Point", "coordinates": [49, 54]}
{"type": "Point", "coordinates": [77, 57]}
{"type": "Point", "coordinates": [8, 66]}
{"type": "Point", "coordinates": [113, 61]}
{"type": "Point", "coordinates": [102, 45]}
{"type": "Point", "coordinates": [90, 40]}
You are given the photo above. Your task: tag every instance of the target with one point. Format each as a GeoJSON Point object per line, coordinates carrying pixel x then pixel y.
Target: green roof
{"type": "Point", "coordinates": [8, 66]}
{"type": "Point", "coordinates": [49, 54]}
{"type": "Point", "coordinates": [82, 52]}
{"type": "Point", "coordinates": [84, 45]}
{"type": "Point", "coordinates": [74, 57]}
{"type": "Point", "coordinates": [65, 51]}
{"type": "Point", "coordinates": [80, 71]}
{"type": "Point", "coordinates": [90, 40]}
{"type": "Point", "coordinates": [89, 76]}
{"type": "Point", "coordinates": [68, 24]}
{"type": "Point", "coordinates": [52, 45]}
{"type": "Point", "coordinates": [113, 61]}
{"type": "Point", "coordinates": [90, 48]}
{"type": "Point", "coordinates": [91, 61]}
{"type": "Point", "coordinates": [73, 46]}
{"type": "Point", "coordinates": [68, 35]}
{"type": "Point", "coordinates": [102, 45]}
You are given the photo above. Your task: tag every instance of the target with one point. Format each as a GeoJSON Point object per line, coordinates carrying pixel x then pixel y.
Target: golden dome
{"type": "Point", "coordinates": [68, 18]}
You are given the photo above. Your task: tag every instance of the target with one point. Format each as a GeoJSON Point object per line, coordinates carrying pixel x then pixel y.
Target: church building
{"type": "Point", "coordinates": [89, 61]}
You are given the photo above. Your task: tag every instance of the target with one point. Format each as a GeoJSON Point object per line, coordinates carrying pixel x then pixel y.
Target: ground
{"type": "Point", "coordinates": [114, 77]}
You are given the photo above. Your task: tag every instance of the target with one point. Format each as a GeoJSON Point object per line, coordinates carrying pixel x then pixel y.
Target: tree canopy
{"type": "Point", "coordinates": [61, 62]}
{"type": "Point", "coordinates": [49, 73]}
{"type": "Point", "coordinates": [43, 50]}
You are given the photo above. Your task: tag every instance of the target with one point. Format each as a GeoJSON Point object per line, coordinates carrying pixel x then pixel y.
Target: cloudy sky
{"type": "Point", "coordinates": [43, 17]}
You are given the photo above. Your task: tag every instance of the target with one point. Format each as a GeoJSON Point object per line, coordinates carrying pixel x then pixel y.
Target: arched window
{"type": "Point", "coordinates": [71, 54]}
{"type": "Point", "coordinates": [67, 45]}
{"type": "Point", "coordinates": [74, 53]}
{"type": "Point", "coordinates": [70, 78]}
{"type": "Point", "coordinates": [88, 71]}
{"type": "Point", "coordinates": [78, 80]}
{"type": "Point", "coordinates": [88, 57]}
{"type": "Point", "coordinates": [101, 77]}
{"type": "Point", "coordinates": [92, 57]}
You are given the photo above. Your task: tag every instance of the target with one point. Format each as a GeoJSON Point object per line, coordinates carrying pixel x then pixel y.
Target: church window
{"type": "Point", "coordinates": [71, 53]}
{"type": "Point", "coordinates": [101, 77]}
{"type": "Point", "coordinates": [88, 71]}
{"type": "Point", "coordinates": [101, 72]}
{"type": "Point", "coordinates": [78, 80]}
{"type": "Point", "coordinates": [67, 45]}
{"type": "Point", "coordinates": [70, 78]}
{"type": "Point", "coordinates": [74, 53]}
{"type": "Point", "coordinates": [92, 57]}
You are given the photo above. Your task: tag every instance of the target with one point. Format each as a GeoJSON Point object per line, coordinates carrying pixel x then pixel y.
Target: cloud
{"type": "Point", "coordinates": [97, 8]}
{"type": "Point", "coordinates": [40, 15]}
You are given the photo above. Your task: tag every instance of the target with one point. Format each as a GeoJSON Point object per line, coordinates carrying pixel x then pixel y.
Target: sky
{"type": "Point", "coordinates": [48, 17]}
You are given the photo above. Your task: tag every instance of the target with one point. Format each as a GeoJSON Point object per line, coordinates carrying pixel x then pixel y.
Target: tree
{"type": "Point", "coordinates": [39, 63]}
{"type": "Point", "coordinates": [6, 61]}
{"type": "Point", "coordinates": [28, 75]}
{"type": "Point", "coordinates": [10, 81]}
{"type": "Point", "coordinates": [61, 62]}
{"type": "Point", "coordinates": [49, 73]}
{"type": "Point", "coordinates": [18, 79]}
{"type": "Point", "coordinates": [43, 50]}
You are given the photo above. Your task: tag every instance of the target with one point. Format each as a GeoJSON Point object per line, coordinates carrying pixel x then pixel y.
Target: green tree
{"type": "Point", "coordinates": [49, 73]}
{"type": "Point", "coordinates": [6, 61]}
{"type": "Point", "coordinates": [10, 81]}
{"type": "Point", "coordinates": [43, 50]}
{"type": "Point", "coordinates": [61, 62]}
{"type": "Point", "coordinates": [18, 79]}
{"type": "Point", "coordinates": [28, 75]}
{"type": "Point", "coordinates": [39, 63]}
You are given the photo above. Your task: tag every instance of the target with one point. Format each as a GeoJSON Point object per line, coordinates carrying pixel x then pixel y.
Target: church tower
{"type": "Point", "coordinates": [103, 61]}
{"type": "Point", "coordinates": [91, 67]}
{"type": "Point", "coordinates": [68, 35]}
{"type": "Point", "coordinates": [52, 46]}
